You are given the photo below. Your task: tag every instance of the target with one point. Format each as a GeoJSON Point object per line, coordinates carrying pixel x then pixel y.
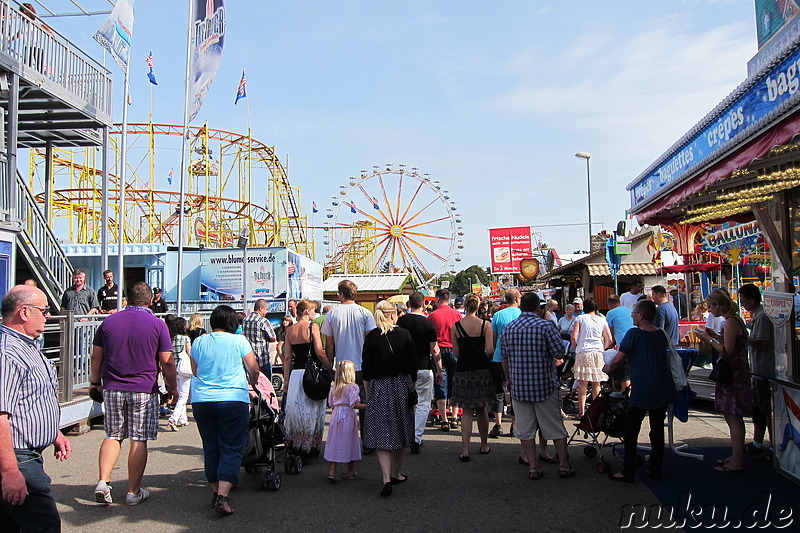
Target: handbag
{"type": "Point", "coordinates": [675, 365]}
{"type": "Point", "coordinates": [413, 397]}
{"type": "Point", "coordinates": [722, 372]}
{"type": "Point", "coordinates": [316, 379]}
{"type": "Point", "coordinates": [183, 366]}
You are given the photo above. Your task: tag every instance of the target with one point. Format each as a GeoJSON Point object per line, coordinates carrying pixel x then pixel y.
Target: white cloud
{"type": "Point", "coordinates": [651, 87]}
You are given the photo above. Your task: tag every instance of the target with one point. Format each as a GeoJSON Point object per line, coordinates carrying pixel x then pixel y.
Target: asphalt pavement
{"type": "Point", "coordinates": [490, 493]}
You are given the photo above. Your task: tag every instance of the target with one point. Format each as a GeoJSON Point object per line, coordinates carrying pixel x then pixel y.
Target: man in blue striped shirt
{"type": "Point", "coordinates": [529, 349]}
{"type": "Point", "coordinates": [29, 415]}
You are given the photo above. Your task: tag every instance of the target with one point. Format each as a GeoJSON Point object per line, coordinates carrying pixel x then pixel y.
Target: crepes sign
{"type": "Point", "coordinates": [509, 246]}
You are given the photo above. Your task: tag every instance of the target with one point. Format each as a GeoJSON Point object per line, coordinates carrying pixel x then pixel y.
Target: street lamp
{"type": "Point", "coordinates": [244, 238]}
{"type": "Point", "coordinates": [587, 156]}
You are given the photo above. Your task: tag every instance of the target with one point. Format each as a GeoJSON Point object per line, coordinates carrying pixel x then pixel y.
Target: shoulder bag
{"type": "Point", "coordinates": [675, 365]}
{"type": "Point", "coordinates": [316, 379]}
{"type": "Point", "coordinates": [722, 372]}
{"type": "Point", "coordinates": [182, 363]}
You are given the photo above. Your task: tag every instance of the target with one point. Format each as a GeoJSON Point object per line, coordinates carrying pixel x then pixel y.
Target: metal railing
{"type": "Point", "coordinates": [37, 46]}
{"type": "Point", "coordinates": [42, 244]}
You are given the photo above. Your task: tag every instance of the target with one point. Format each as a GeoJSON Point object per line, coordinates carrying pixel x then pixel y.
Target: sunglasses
{"type": "Point", "coordinates": [43, 310]}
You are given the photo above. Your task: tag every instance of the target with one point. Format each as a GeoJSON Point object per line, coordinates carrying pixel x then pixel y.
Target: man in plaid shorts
{"type": "Point", "coordinates": [129, 348]}
{"type": "Point", "coordinates": [529, 349]}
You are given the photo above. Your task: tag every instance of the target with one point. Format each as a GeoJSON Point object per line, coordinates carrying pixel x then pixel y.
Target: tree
{"type": "Point", "coordinates": [462, 283]}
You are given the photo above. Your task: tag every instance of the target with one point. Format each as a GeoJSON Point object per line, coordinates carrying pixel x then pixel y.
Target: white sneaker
{"type": "Point", "coordinates": [102, 493]}
{"type": "Point", "coordinates": [172, 425]}
{"type": "Point", "coordinates": [136, 499]}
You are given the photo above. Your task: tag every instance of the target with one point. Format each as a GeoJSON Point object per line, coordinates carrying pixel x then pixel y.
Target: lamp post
{"type": "Point", "coordinates": [587, 156]}
{"type": "Point", "coordinates": [244, 237]}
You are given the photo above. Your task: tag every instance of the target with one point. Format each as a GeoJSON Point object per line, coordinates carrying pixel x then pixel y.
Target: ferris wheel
{"type": "Point", "coordinates": [393, 219]}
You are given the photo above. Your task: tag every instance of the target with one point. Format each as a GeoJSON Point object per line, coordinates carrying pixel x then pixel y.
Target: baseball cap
{"type": "Point", "coordinates": [156, 291]}
{"type": "Point", "coordinates": [578, 300]}
{"type": "Point", "coordinates": [673, 288]}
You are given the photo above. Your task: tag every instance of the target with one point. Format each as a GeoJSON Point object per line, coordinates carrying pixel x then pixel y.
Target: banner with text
{"type": "Point", "coordinates": [509, 246]}
{"type": "Point", "coordinates": [208, 40]}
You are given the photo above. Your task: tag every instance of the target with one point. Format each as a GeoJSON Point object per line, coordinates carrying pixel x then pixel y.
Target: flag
{"type": "Point", "coordinates": [375, 203]}
{"type": "Point", "coordinates": [150, 75]}
{"type": "Point", "coordinates": [353, 207]}
{"type": "Point", "coordinates": [116, 33]}
{"type": "Point", "coordinates": [242, 92]}
{"type": "Point", "coordinates": [207, 39]}
{"type": "Point", "coordinates": [169, 176]}
{"type": "Point", "coordinates": [314, 207]}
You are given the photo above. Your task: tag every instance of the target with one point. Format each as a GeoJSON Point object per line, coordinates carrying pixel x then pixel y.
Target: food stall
{"type": "Point", "coordinates": [739, 165]}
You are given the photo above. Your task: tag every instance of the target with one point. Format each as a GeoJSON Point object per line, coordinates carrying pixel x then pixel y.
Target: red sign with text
{"type": "Point", "coordinates": [509, 246]}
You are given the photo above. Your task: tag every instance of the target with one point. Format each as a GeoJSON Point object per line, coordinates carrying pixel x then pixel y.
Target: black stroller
{"type": "Point", "coordinates": [267, 445]}
{"type": "Point", "coordinates": [605, 415]}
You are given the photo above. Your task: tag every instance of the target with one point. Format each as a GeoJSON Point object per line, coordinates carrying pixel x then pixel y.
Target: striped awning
{"type": "Point", "coordinates": [625, 269]}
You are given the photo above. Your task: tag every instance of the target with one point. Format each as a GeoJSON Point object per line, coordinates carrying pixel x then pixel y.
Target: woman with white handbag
{"type": "Point", "coordinates": [180, 351]}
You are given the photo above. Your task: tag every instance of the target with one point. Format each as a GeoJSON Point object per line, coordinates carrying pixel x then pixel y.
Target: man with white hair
{"type": "Point", "coordinates": [29, 415]}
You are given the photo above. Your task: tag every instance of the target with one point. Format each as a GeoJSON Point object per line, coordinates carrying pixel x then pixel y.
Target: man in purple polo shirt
{"type": "Point", "coordinates": [129, 348]}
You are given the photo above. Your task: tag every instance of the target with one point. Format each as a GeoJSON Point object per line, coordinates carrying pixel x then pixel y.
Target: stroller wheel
{"type": "Point", "coordinates": [277, 381]}
{"type": "Point", "coordinates": [298, 465]}
{"type": "Point", "coordinates": [590, 451]}
{"type": "Point", "coordinates": [275, 484]}
{"type": "Point", "coordinates": [603, 467]}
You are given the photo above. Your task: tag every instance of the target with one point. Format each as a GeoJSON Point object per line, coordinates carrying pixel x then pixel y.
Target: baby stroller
{"type": "Point", "coordinates": [605, 415]}
{"type": "Point", "coordinates": [566, 378]}
{"type": "Point", "coordinates": [277, 378]}
{"type": "Point", "coordinates": [267, 439]}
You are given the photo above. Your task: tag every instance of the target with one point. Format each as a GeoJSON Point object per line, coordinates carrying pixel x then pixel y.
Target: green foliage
{"type": "Point", "coordinates": [462, 282]}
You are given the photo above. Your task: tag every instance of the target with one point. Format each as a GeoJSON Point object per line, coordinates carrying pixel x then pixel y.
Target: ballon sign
{"type": "Point", "coordinates": [732, 240]}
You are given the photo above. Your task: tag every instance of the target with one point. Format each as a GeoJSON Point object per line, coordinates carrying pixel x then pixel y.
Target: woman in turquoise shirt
{"type": "Point", "coordinates": [222, 363]}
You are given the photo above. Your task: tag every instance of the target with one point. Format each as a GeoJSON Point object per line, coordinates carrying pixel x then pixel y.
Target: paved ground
{"type": "Point", "coordinates": [490, 493]}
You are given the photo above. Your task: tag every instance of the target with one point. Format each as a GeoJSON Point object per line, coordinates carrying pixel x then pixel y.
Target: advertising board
{"type": "Point", "coordinates": [509, 246]}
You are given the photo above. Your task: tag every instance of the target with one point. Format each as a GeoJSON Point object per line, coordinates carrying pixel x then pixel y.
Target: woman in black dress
{"type": "Point", "coordinates": [389, 367]}
{"type": "Point", "coordinates": [473, 387]}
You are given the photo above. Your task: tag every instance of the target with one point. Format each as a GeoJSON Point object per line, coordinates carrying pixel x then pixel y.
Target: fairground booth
{"type": "Point", "coordinates": [736, 177]}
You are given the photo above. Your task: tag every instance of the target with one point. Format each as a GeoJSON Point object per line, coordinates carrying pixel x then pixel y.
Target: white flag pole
{"type": "Point", "coordinates": [121, 178]}
{"type": "Point", "coordinates": [184, 148]}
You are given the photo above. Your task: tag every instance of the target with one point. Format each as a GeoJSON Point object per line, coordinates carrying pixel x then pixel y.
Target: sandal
{"type": "Point", "coordinates": [535, 473]}
{"type": "Point", "coordinates": [219, 506]}
{"type": "Point", "coordinates": [566, 471]}
{"type": "Point", "coordinates": [334, 479]}
{"type": "Point", "coordinates": [352, 475]}
{"type": "Point", "coordinates": [445, 426]}
{"type": "Point", "coordinates": [622, 478]}
{"type": "Point", "coordinates": [724, 468]}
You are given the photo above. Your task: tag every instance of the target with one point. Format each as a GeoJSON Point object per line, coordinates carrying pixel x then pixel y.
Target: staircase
{"type": "Point", "coordinates": [38, 245]}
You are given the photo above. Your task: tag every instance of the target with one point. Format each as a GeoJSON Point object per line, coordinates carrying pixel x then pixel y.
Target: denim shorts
{"type": "Point", "coordinates": [444, 390]}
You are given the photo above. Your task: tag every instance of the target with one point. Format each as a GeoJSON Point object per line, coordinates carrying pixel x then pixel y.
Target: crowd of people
{"type": "Point", "coordinates": [389, 369]}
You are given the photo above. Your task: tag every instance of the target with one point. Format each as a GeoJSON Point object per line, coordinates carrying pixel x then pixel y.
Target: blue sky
{"type": "Point", "coordinates": [493, 99]}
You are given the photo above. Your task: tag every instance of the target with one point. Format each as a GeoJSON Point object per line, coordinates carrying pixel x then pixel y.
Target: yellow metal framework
{"type": "Point", "coordinates": [225, 170]}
